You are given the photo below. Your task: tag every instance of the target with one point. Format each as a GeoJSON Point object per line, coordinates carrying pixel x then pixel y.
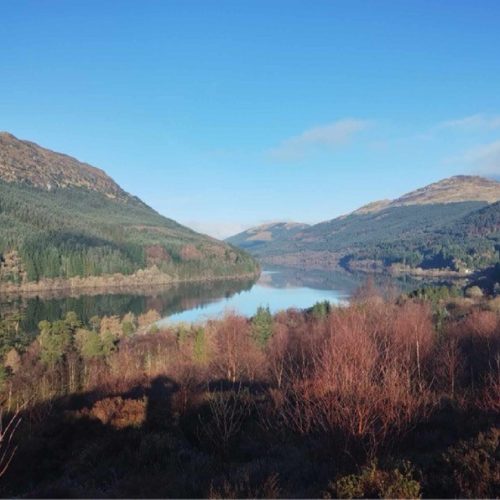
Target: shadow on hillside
{"type": "Point", "coordinates": [137, 443]}
{"type": "Point", "coordinates": [132, 443]}
{"type": "Point", "coordinates": [83, 445]}
{"type": "Point", "coordinates": [224, 385]}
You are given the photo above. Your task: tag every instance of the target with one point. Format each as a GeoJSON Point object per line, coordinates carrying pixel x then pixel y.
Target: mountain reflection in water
{"type": "Point", "coordinates": [278, 288]}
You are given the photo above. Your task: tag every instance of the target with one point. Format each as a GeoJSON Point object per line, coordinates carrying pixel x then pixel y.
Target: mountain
{"type": "Point", "coordinates": [455, 189]}
{"type": "Point", "coordinates": [27, 163]}
{"type": "Point", "coordinates": [451, 225]}
{"type": "Point", "coordinates": [257, 236]}
{"type": "Point", "coordinates": [62, 219]}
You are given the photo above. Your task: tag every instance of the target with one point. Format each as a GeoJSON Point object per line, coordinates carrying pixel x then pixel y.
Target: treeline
{"type": "Point", "coordinates": [71, 232]}
{"type": "Point", "coordinates": [395, 397]}
{"type": "Point", "coordinates": [454, 236]}
{"type": "Point", "coordinates": [55, 255]}
{"type": "Point", "coordinates": [454, 253]}
{"type": "Point", "coordinates": [470, 241]}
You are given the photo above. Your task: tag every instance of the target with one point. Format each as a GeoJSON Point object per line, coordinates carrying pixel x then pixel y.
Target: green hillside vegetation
{"type": "Point", "coordinates": [430, 237]}
{"type": "Point", "coordinates": [69, 232]}
{"type": "Point", "coordinates": [462, 236]}
{"type": "Point", "coordinates": [385, 226]}
{"type": "Point", "coordinates": [61, 218]}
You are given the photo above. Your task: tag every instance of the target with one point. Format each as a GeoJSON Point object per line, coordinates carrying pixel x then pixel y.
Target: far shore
{"type": "Point", "coordinates": [143, 280]}
{"type": "Point", "coordinates": [325, 261]}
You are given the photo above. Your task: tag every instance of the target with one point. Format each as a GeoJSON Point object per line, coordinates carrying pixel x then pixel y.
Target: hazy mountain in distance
{"type": "Point", "coordinates": [261, 235]}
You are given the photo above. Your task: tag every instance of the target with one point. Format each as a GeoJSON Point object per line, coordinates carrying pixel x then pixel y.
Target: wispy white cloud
{"type": "Point", "coordinates": [478, 121]}
{"type": "Point", "coordinates": [486, 157]}
{"type": "Point", "coordinates": [483, 159]}
{"type": "Point", "coordinates": [331, 135]}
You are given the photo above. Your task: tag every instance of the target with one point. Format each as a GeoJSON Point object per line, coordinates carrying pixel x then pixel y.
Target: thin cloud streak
{"type": "Point", "coordinates": [477, 121]}
{"type": "Point", "coordinates": [331, 135]}
{"type": "Point", "coordinates": [484, 159]}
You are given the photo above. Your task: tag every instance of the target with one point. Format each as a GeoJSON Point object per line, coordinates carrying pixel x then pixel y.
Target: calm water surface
{"type": "Point", "coordinates": [278, 288]}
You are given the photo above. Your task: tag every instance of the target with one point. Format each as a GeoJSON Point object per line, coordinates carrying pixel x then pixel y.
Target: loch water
{"type": "Point", "coordinates": [276, 288]}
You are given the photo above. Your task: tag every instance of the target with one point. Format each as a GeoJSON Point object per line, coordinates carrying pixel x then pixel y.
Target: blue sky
{"type": "Point", "coordinates": [224, 114]}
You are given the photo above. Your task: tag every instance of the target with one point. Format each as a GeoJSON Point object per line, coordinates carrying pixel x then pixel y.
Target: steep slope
{"type": "Point", "coordinates": [262, 235]}
{"type": "Point", "coordinates": [28, 163]}
{"type": "Point", "coordinates": [434, 228]}
{"type": "Point", "coordinates": [62, 219]}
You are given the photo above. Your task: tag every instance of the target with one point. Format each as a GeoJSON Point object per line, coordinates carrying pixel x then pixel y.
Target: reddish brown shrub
{"type": "Point", "coordinates": [478, 337]}
{"type": "Point", "coordinates": [236, 356]}
{"type": "Point", "coordinates": [190, 252]}
{"type": "Point", "coordinates": [364, 376]}
{"type": "Point", "coordinates": [156, 254]}
{"type": "Point", "coordinates": [117, 412]}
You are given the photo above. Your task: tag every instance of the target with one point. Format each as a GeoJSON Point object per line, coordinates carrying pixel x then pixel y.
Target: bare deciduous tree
{"type": "Point", "coordinates": [7, 446]}
{"type": "Point", "coordinates": [228, 410]}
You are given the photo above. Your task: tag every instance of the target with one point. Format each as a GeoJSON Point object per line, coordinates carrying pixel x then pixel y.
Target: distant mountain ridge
{"type": "Point", "coordinates": [451, 225]}
{"type": "Point", "coordinates": [455, 189]}
{"type": "Point", "coordinates": [265, 233]}
{"type": "Point", "coordinates": [65, 221]}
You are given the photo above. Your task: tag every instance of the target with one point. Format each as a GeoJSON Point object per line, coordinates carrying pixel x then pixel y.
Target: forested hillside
{"type": "Point", "coordinates": [446, 226]}
{"type": "Point", "coordinates": [64, 219]}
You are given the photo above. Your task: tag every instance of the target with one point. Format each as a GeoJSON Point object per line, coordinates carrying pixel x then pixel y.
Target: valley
{"type": "Point", "coordinates": [448, 229]}
{"type": "Point", "coordinates": [250, 250]}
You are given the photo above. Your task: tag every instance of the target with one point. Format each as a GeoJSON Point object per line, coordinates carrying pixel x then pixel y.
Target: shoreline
{"type": "Point", "coordinates": [327, 263]}
{"type": "Point", "coordinates": [429, 273]}
{"type": "Point", "coordinates": [143, 280]}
